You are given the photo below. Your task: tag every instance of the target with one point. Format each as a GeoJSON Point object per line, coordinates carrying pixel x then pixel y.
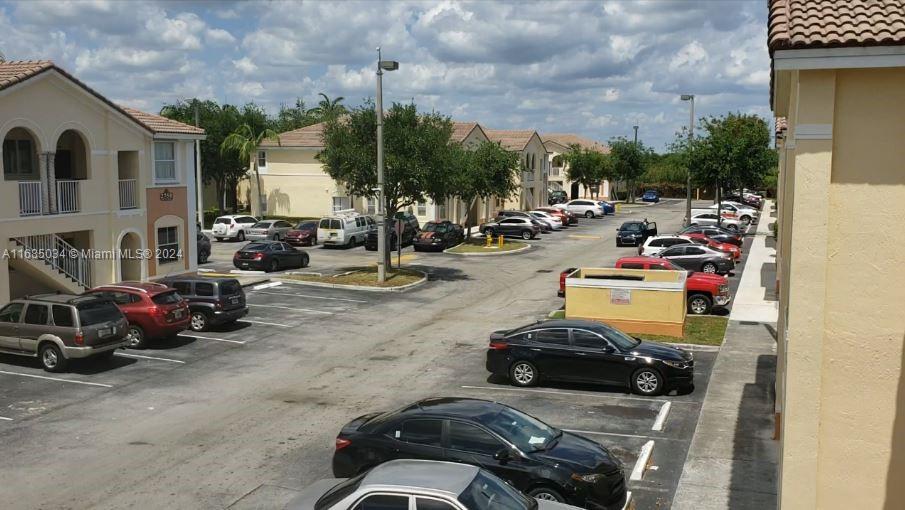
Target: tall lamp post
{"type": "Point", "coordinates": [382, 65]}
{"type": "Point", "coordinates": [689, 97]}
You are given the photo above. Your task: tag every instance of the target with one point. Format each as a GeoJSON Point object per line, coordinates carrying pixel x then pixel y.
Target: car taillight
{"type": "Point", "coordinates": [498, 345]}
{"type": "Point", "coordinates": [259, 256]}
{"type": "Point", "coordinates": [79, 338]}
{"type": "Point", "coordinates": [342, 443]}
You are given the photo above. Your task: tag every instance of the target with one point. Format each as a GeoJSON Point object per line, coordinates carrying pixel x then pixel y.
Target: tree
{"type": "Point", "coordinates": [485, 172]}
{"type": "Point", "coordinates": [244, 142]}
{"type": "Point", "coordinates": [587, 167]}
{"type": "Point", "coordinates": [629, 160]}
{"type": "Point", "coordinates": [293, 117]}
{"type": "Point", "coordinates": [328, 109]}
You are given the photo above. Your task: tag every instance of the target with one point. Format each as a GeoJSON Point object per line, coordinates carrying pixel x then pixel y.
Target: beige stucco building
{"type": "Point", "coordinates": [839, 80]}
{"type": "Point", "coordinates": [82, 173]}
{"type": "Point", "coordinates": [532, 179]}
{"type": "Point", "coordinates": [557, 145]}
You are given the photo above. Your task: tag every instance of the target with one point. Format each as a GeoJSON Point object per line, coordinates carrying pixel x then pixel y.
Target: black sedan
{"type": "Point", "coordinates": [269, 256]}
{"type": "Point", "coordinates": [537, 459]}
{"type": "Point", "coordinates": [588, 352]}
{"type": "Point", "coordinates": [720, 235]}
{"type": "Point", "coordinates": [694, 257]}
{"type": "Point", "coordinates": [517, 226]}
{"type": "Point", "coordinates": [439, 235]}
{"type": "Point", "coordinates": [634, 233]}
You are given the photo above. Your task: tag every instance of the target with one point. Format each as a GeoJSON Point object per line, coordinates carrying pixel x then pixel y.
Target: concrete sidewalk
{"type": "Point", "coordinates": [732, 462]}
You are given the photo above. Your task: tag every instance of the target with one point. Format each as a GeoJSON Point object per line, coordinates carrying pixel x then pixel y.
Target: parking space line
{"type": "Point", "coordinates": [240, 342]}
{"type": "Point", "coordinates": [139, 356]}
{"type": "Point", "coordinates": [310, 296]}
{"type": "Point", "coordinates": [294, 309]}
{"type": "Point", "coordinates": [661, 416]}
{"type": "Point", "coordinates": [641, 463]}
{"type": "Point", "coordinates": [571, 393]}
{"type": "Point", "coordinates": [57, 379]}
{"type": "Point", "coordinates": [265, 323]}
{"type": "Point", "coordinates": [4, 418]}
{"type": "Point", "coordinates": [628, 501]}
{"type": "Point", "coordinates": [594, 433]}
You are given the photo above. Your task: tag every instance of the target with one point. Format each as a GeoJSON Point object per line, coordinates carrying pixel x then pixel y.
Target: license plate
{"type": "Point", "coordinates": [234, 300]}
{"type": "Point", "coordinates": [244, 264]}
{"type": "Point", "coordinates": [105, 332]}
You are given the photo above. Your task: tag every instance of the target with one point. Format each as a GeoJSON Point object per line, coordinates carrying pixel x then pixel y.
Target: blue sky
{"type": "Point", "coordinates": [591, 68]}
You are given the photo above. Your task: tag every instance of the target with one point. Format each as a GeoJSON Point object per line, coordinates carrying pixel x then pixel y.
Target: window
{"type": "Point", "coordinates": [62, 316]}
{"type": "Point", "coordinates": [183, 288]}
{"type": "Point", "coordinates": [510, 221]}
{"type": "Point", "coordinates": [441, 209]}
{"type": "Point", "coordinates": [383, 502]}
{"type": "Point", "coordinates": [422, 209]}
{"type": "Point", "coordinates": [488, 491]}
{"type": "Point", "coordinates": [18, 157]}
{"type": "Point", "coordinates": [371, 205]}
{"type": "Point", "coordinates": [657, 267]}
{"type": "Point", "coordinates": [98, 312]}
{"type": "Point", "coordinates": [694, 250]}
{"type": "Point", "coordinates": [582, 338]}
{"type": "Point", "coordinates": [120, 298]}
{"type": "Point", "coordinates": [468, 438]}
{"type": "Point", "coordinates": [432, 504]}
{"type": "Point", "coordinates": [36, 314]}
{"type": "Point", "coordinates": [167, 244]}
{"type": "Point", "coordinates": [341, 203]}
{"type": "Point", "coordinates": [673, 252]}
{"type": "Point", "coordinates": [165, 161]}
{"type": "Point", "coordinates": [552, 336]}
{"type": "Point", "coordinates": [425, 432]}
{"type": "Point", "coordinates": [631, 265]}
{"type": "Point", "coordinates": [11, 312]}
{"type": "Point", "coordinates": [262, 160]}
{"type": "Point", "coordinates": [204, 289]}
{"type": "Point", "coordinates": [283, 224]}
{"type": "Point", "coordinates": [657, 242]}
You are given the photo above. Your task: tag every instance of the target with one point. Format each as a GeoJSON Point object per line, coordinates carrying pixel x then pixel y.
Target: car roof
{"type": "Point", "coordinates": [425, 474]}
{"type": "Point", "coordinates": [198, 279]}
{"type": "Point", "coordinates": [61, 298]}
{"type": "Point", "coordinates": [146, 287]}
{"type": "Point", "coordinates": [234, 216]}
{"type": "Point", "coordinates": [668, 236]}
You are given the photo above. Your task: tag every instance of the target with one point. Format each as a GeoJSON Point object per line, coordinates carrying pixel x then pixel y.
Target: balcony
{"type": "Point", "coordinates": [30, 198]}
{"type": "Point", "coordinates": [128, 199]}
{"type": "Point", "coordinates": [68, 197]}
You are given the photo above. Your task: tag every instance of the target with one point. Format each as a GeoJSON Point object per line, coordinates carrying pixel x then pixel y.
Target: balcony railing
{"type": "Point", "coordinates": [68, 197]}
{"type": "Point", "coordinates": [30, 198]}
{"type": "Point", "coordinates": [127, 197]}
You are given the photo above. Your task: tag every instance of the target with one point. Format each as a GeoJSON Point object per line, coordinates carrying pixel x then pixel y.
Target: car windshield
{"type": "Point", "coordinates": [338, 492]}
{"type": "Point", "coordinates": [620, 339]}
{"type": "Point", "coordinates": [526, 433]}
{"type": "Point", "coordinates": [262, 224]}
{"type": "Point", "coordinates": [435, 227]}
{"type": "Point", "coordinates": [487, 492]}
{"type": "Point", "coordinates": [308, 225]}
{"type": "Point", "coordinates": [167, 298]}
{"type": "Point", "coordinates": [98, 312]}
{"type": "Point", "coordinates": [631, 227]}
{"type": "Point", "coordinates": [222, 221]}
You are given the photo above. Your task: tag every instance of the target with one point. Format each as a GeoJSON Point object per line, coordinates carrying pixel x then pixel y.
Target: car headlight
{"type": "Point", "coordinates": [681, 365]}
{"type": "Point", "coordinates": [588, 478]}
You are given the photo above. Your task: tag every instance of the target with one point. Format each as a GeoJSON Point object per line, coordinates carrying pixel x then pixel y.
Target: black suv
{"type": "Point", "coordinates": [558, 197]}
{"type": "Point", "coordinates": [409, 218]}
{"type": "Point", "coordinates": [212, 301]}
{"type": "Point", "coordinates": [634, 233]}
{"type": "Point", "coordinates": [408, 235]}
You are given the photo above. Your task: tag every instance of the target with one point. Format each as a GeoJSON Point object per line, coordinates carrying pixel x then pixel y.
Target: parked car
{"type": "Point", "coordinates": [304, 234]}
{"type": "Point", "coordinates": [345, 228]}
{"type": "Point", "coordinates": [703, 291]}
{"type": "Point", "coordinates": [634, 233]}
{"type": "Point", "coordinates": [718, 234]}
{"type": "Point", "coordinates": [743, 212]}
{"type": "Point", "coordinates": [710, 219]}
{"type": "Point", "coordinates": [729, 248]}
{"type": "Point", "coordinates": [562, 280]}
{"type": "Point", "coordinates": [408, 236]}
{"type": "Point", "coordinates": [514, 226]}
{"type": "Point", "coordinates": [421, 484]}
{"type": "Point", "coordinates": [557, 197]}
{"type": "Point", "coordinates": [588, 352]}
{"type": "Point", "coordinates": [651, 196]}
{"type": "Point", "coordinates": [567, 217]}
{"type": "Point", "coordinates": [274, 230]}
{"type": "Point", "coordinates": [749, 200]}
{"type": "Point", "coordinates": [204, 248]}
{"type": "Point", "coordinates": [608, 207]}
{"type": "Point", "coordinates": [409, 218]}
{"type": "Point", "coordinates": [269, 256]}
{"type": "Point", "coordinates": [655, 244]}
{"type": "Point", "coordinates": [154, 310]}
{"type": "Point", "coordinates": [583, 207]}
{"type": "Point", "coordinates": [551, 221]}
{"type": "Point", "coordinates": [535, 458]}
{"type": "Point", "coordinates": [232, 226]}
{"type": "Point", "coordinates": [439, 235]}
{"type": "Point", "coordinates": [212, 301]}
{"type": "Point", "coordinates": [59, 327]}
{"type": "Point", "coordinates": [695, 257]}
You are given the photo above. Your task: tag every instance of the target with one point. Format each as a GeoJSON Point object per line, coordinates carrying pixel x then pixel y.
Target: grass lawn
{"type": "Point", "coordinates": [366, 276]}
{"type": "Point", "coordinates": [700, 330]}
{"type": "Point", "coordinates": [479, 245]}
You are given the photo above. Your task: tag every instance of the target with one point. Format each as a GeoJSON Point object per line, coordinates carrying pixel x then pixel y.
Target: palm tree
{"type": "Point", "coordinates": [327, 109]}
{"type": "Point", "coordinates": [245, 142]}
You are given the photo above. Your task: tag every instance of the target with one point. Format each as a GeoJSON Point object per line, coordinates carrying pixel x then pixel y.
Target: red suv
{"type": "Point", "coordinates": [153, 310]}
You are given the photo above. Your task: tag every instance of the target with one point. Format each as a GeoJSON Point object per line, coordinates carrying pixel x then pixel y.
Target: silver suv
{"type": "Point", "coordinates": [60, 327]}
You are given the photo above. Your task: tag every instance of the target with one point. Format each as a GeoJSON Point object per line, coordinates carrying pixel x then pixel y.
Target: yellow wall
{"type": "Point", "coordinates": [841, 283]}
{"type": "Point", "coordinates": [295, 184]}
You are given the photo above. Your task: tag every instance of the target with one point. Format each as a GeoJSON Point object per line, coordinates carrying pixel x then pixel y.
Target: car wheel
{"type": "Point", "coordinates": [199, 322]}
{"type": "Point", "coordinates": [527, 235]}
{"type": "Point", "coordinates": [273, 266]}
{"type": "Point", "coordinates": [135, 338]}
{"type": "Point", "coordinates": [589, 214]}
{"type": "Point", "coordinates": [647, 381]}
{"type": "Point", "coordinates": [240, 236]}
{"type": "Point", "coordinates": [305, 261]}
{"type": "Point", "coordinates": [746, 219]}
{"type": "Point", "coordinates": [699, 304]}
{"type": "Point", "coordinates": [733, 228]}
{"type": "Point", "coordinates": [545, 494]}
{"type": "Point", "coordinates": [203, 258]}
{"type": "Point", "coordinates": [523, 373]}
{"type": "Point", "coordinates": [709, 267]}
{"type": "Point", "coordinates": [51, 357]}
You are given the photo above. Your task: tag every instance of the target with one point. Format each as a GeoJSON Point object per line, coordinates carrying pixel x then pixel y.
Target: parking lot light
{"type": "Point", "coordinates": [689, 97]}
{"type": "Point", "coordinates": [382, 65]}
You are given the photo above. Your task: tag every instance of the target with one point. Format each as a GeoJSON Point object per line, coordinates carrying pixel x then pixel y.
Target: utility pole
{"type": "Point", "coordinates": [636, 135]}
{"type": "Point", "coordinates": [199, 191]}
{"type": "Point", "coordinates": [689, 97]}
{"type": "Point", "coordinates": [382, 65]}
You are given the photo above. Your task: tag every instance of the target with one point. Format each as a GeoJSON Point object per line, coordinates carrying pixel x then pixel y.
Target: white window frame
{"type": "Point", "coordinates": [163, 247]}
{"type": "Point", "coordinates": [344, 203]}
{"type": "Point", "coordinates": [262, 155]}
{"type": "Point", "coordinates": [442, 209]}
{"type": "Point", "coordinates": [175, 161]}
{"type": "Point", "coordinates": [371, 205]}
{"type": "Point", "coordinates": [421, 209]}
{"type": "Point", "coordinates": [15, 171]}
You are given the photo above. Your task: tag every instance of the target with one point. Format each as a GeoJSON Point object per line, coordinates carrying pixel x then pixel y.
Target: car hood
{"type": "Point", "coordinates": [309, 495]}
{"type": "Point", "coordinates": [708, 278]}
{"type": "Point", "coordinates": [580, 454]}
{"type": "Point", "coordinates": [659, 351]}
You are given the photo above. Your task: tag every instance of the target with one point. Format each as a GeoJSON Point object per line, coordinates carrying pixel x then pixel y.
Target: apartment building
{"type": "Point", "coordinates": [533, 161]}
{"type": "Point", "coordinates": [84, 177]}
{"type": "Point", "coordinates": [838, 81]}
{"type": "Point", "coordinates": [558, 145]}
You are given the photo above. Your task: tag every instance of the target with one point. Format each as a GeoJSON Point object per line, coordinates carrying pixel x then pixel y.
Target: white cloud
{"type": "Point", "coordinates": [245, 65]}
{"type": "Point", "coordinates": [218, 36]}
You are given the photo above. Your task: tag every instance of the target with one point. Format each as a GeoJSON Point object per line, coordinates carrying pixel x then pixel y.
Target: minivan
{"type": "Point", "coordinates": [344, 228]}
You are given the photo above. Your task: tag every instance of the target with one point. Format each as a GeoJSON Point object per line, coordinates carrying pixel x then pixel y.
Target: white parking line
{"type": "Point", "coordinates": [265, 323]}
{"type": "Point", "coordinates": [641, 463]}
{"type": "Point", "coordinates": [240, 342]}
{"type": "Point", "coordinates": [310, 296]}
{"type": "Point", "coordinates": [594, 433]}
{"type": "Point", "coordinates": [661, 416]}
{"type": "Point", "coordinates": [267, 285]}
{"type": "Point", "coordinates": [570, 393]}
{"type": "Point", "coordinates": [295, 309]}
{"type": "Point", "coordinates": [57, 379]}
{"type": "Point", "coordinates": [139, 356]}
{"type": "Point", "coordinates": [628, 501]}
{"type": "Point", "coordinates": [4, 418]}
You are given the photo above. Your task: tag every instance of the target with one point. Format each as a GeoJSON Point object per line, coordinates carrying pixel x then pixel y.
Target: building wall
{"type": "Point", "coordinates": [843, 419]}
{"type": "Point", "coordinates": [294, 183]}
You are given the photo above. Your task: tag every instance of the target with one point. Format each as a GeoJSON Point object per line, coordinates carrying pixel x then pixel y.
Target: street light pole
{"type": "Point", "coordinates": [689, 97]}
{"type": "Point", "coordinates": [382, 65]}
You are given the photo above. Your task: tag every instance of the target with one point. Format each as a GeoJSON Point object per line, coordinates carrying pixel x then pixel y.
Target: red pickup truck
{"type": "Point", "coordinates": [704, 290]}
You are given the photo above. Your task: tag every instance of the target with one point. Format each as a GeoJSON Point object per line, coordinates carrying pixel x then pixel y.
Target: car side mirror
{"type": "Point", "coordinates": [608, 349]}
{"type": "Point", "coordinates": [502, 455]}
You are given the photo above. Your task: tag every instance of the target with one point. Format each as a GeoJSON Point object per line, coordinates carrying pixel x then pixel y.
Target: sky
{"type": "Point", "coordinates": [591, 68]}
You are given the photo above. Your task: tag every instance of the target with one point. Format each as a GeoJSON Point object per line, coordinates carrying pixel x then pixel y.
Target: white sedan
{"type": "Point", "coordinates": [710, 219]}
{"type": "Point", "coordinates": [743, 212]}
{"type": "Point", "coordinates": [656, 244]}
{"type": "Point", "coordinates": [552, 221]}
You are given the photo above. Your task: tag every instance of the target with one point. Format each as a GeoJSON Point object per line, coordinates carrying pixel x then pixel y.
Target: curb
{"type": "Point", "coordinates": [695, 347]}
{"type": "Point", "coordinates": [497, 254]}
{"type": "Point", "coordinates": [401, 288]}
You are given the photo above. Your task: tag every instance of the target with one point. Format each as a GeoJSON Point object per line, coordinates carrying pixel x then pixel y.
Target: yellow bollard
{"type": "Point", "coordinates": [618, 206]}
{"type": "Point", "coordinates": [500, 240]}
{"type": "Point", "coordinates": [489, 240]}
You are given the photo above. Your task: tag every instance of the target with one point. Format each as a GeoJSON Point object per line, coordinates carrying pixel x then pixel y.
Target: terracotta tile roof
{"type": "Point", "coordinates": [514, 140]}
{"type": "Point", "coordinates": [15, 72]}
{"type": "Point", "coordinates": [461, 130]}
{"type": "Point", "coordinates": [795, 24]}
{"type": "Point", "coordinates": [569, 139]}
{"type": "Point", "coordinates": [309, 136]}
